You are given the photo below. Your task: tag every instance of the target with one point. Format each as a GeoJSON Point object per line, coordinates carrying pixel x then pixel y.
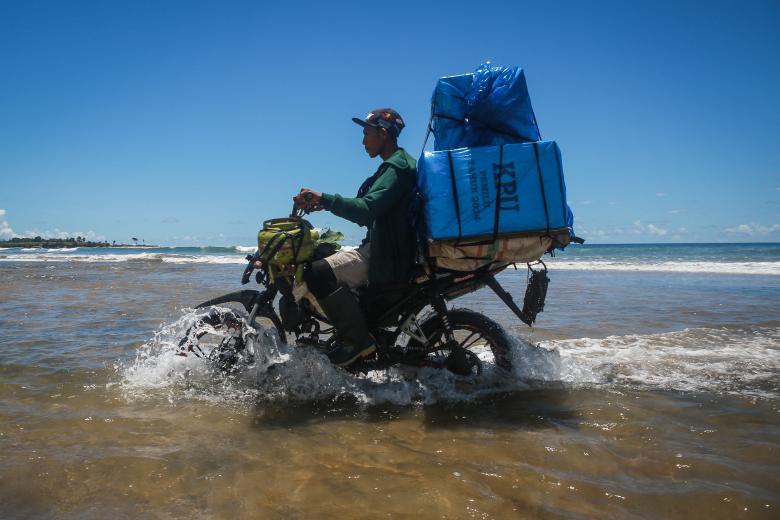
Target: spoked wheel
{"type": "Point", "coordinates": [479, 342]}
{"type": "Point", "coordinates": [218, 337]}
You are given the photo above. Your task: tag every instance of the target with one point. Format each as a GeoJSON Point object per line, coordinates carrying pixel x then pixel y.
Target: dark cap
{"type": "Point", "coordinates": [386, 118]}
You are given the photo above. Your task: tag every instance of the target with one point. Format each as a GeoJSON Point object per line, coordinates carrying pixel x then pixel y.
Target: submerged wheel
{"type": "Point", "coordinates": [218, 337]}
{"type": "Point", "coordinates": [479, 342]}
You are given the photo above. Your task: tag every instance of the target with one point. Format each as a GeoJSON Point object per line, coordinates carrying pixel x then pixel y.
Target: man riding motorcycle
{"type": "Point", "coordinates": [386, 255]}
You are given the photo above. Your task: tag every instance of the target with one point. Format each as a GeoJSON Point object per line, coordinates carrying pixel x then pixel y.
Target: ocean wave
{"type": "Point", "coordinates": [62, 249]}
{"type": "Point", "coordinates": [762, 268]}
{"type": "Point", "coordinates": [740, 361]}
{"type": "Point", "coordinates": [235, 255]}
{"type": "Point", "coordinates": [132, 257]}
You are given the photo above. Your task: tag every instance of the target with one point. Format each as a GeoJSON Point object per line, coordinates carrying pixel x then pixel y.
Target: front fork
{"type": "Point", "coordinates": [256, 303]}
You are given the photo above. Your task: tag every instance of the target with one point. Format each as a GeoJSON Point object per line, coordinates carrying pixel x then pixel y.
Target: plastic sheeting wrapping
{"type": "Point", "coordinates": [489, 107]}
{"type": "Point", "coordinates": [449, 254]}
{"type": "Point", "coordinates": [460, 191]}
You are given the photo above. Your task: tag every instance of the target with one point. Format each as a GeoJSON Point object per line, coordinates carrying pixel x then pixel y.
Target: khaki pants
{"type": "Point", "coordinates": [350, 266]}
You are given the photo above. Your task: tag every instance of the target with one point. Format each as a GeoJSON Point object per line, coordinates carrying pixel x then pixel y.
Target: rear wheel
{"type": "Point", "coordinates": [479, 344]}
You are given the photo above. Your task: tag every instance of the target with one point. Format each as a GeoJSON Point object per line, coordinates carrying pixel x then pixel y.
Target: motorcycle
{"type": "Point", "coordinates": [410, 322]}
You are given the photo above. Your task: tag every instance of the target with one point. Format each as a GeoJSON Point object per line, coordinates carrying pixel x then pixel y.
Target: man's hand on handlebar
{"type": "Point", "coordinates": [308, 200]}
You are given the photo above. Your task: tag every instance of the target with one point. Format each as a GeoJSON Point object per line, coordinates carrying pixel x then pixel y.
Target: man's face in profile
{"type": "Point", "coordinates": [373, 139]}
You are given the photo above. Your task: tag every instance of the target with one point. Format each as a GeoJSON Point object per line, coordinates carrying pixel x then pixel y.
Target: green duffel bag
{"type": "Point", "coordinates": [285, 245]}
{"type": "Point", "coordinates": [286, 241]}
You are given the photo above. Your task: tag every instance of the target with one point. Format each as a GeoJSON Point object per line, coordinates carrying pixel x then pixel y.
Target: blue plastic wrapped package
{"type": "Point", "coordinates": [490, 107]}
{"type": "Point", "coordinates": [459, 188]}
{"type": "Point", "coordinates": [448, 111]}
{"type": "Point", "coordinates": [499, 108]}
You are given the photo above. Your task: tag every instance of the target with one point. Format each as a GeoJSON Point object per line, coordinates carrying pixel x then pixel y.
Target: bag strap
{"type": "Point", "coordinates": [455, 195]}
{"type": "Point", "coordinates": [499, 174]}
{"type": "Point", "coordinates": [541, 186]}
{"type": "Point", "coordinates": [274, 245]}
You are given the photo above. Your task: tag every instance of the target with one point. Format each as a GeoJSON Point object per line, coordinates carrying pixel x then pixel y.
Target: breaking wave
{"type": "Point", "coordinates": [236, 255]}
{"type": "Point", "coordinates": [739, 361]}
{"type": "Point", "coordinates": [733, 360]}
{"type": "Point", "coordinates": [129, 257]}
{"type": "Point", "coordinates": [762, 268]}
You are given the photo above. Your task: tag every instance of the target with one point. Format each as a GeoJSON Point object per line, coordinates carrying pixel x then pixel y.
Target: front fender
{"type": "Point", "coordinates": [247, 298]}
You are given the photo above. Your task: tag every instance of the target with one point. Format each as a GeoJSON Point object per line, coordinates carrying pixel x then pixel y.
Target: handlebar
{"type": "Point", "coordinates": [306, 209]}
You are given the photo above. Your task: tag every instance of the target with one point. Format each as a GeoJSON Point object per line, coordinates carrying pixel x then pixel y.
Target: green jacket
{"type": "Point", "coordinates": [384, 210]}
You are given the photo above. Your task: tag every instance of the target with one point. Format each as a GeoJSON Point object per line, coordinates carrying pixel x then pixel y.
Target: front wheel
{"type": "Point", "coordinates": [220, 337]}
{"type": "Point", "coordinates": [480, 343]}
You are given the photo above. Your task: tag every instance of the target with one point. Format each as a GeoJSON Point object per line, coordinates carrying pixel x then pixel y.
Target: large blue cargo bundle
{"type": "Point", "coordinates": [460, 189]}
{"type": "Point", "coordinates": [489, 107]}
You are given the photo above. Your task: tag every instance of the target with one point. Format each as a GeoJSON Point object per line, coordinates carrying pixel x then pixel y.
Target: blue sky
{"type": "Point", "coordinates": [189, 123]}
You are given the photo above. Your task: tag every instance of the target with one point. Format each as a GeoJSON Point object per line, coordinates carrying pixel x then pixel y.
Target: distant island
{"type": "Point", "coordinates": [56, 243]}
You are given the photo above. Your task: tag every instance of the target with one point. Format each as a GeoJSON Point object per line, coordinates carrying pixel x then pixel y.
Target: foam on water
{"type": "Point", "coordinates": [740, 361]}
{"type": "Point", "coordinates": [236, 255]}
{"type": "Point", "coordinates": [762, 268]}
{"type": "Point", "coordinates": [131, 257]}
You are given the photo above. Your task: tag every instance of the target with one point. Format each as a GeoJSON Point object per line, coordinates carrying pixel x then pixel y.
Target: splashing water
{"type": "Point", "coordinates": [287, 372]}
{"type": "Point", "coordinates": [720, 360]}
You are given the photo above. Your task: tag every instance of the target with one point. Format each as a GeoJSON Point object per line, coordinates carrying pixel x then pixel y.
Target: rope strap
{"type": "Point", "coordinates": [541, 186]}
{"type": "Point", "coordinates": [455, 195]}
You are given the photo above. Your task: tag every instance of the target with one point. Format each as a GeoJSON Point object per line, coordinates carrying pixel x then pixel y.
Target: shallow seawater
{"type": "Point", "coordinates": [638, 395]}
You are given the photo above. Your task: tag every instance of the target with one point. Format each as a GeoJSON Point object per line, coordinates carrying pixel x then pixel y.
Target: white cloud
{"type": "Point", "coordinates": [742, 228]}
{"type": "Point", "coordinates": [586, 202]}
{"type": "Point", "coordinates": [5, 228]}
{"type": "Point", "coordinates": [58, 233]}
{"type": "Point", "coordinates": [7, 232]}
{"type": "Point", "coordinates": [660, 194]}
{"type": "Point", "coordinates": [654, 230]}
{"type": "Point", "coordinates": [650, 229]}
{"type": "Point", "coordinates": [753, 229]}
{"type": "Point", "coordinates": [676, 211]}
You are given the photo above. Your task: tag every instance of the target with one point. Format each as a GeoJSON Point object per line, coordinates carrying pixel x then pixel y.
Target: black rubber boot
{"type": "Point", "coordinates": [344, 311]}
